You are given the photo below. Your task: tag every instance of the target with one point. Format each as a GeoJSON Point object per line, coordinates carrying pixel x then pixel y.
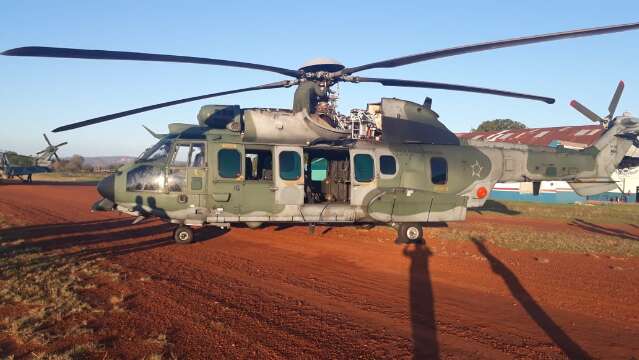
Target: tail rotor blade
{"type": "Point", "coordinates": [47, 139]}
{"type": "Point", "coordinates": [586, 112]}
{"type": "Point", "coordinates": [615, 100]}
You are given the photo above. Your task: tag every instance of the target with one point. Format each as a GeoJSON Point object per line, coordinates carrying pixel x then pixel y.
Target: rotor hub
{"type": "Point", "coordinates": [316, 65]}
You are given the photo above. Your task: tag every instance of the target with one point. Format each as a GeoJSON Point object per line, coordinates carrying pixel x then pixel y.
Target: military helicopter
{"type": "Point", "coordinates": [393, 162]}
{"type": "Point", "coordinates": [15, 165]}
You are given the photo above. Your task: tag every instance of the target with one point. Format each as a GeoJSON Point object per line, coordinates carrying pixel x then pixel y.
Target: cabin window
{"type": "Point", "coordinates": [258, 165]}
{"type": "Point", "coordinates": [364, 168]}
{"type": "Point", "coordinates": [319, 169]}
{"type": "Point", "coordinates": [387, 165]}
{"type": "Point", "coordinates": [290, 165]}
{"type": "Point", "coordinates": [145, 178]}
{"type": "Point", "coordinates": [438, 171]}
{"type": "Point", "coordinates": [229, 163]}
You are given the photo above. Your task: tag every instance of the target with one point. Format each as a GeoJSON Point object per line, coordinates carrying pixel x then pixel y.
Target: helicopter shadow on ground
{"type": "Point", "coordinates": [95, 239]}
{"type": "Point", "coordinates": [495, 207]}
{"type": "Point", "coordinates": [528, 303]}
{"type": "Point", "coordinates": [422, 306]}
{"type": "Point", "coordinates": [598, 229]}
{"type": "Point", "coordinates": [5, 182]}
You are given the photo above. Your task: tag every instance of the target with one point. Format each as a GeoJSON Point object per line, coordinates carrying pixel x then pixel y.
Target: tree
{"type": "Point", "coordinates": [498, 125]}
{"type": "Point", "coordinates": [73, 164]}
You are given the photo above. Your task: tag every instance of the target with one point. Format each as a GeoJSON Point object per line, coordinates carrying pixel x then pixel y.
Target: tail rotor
{"type": "Point", "coordinates": [611, 108]}
{"type": "Point", "coordinates": [50, 151]}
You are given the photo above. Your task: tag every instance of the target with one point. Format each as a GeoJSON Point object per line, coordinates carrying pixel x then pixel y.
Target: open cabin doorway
{"type": "Point", "coordinates": [326, 176]}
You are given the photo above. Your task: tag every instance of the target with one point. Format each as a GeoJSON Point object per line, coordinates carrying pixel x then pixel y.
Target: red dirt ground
{"type": "Point", "coordinates": [280, 292]}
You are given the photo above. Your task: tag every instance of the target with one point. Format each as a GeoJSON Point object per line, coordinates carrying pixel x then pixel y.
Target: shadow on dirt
{"type": "Point", "coordinates": [49, 183]}
{"type": "Point", "coordinates": [588, 226]}
{"type": "Point", "coordinates": [422, 307]}
{"type": "Point", "coordinates": [495, 207]}
{"type": "Point", "coordinates": [536, 312]}
{"type": "Point", "coordinates": [94, 239]}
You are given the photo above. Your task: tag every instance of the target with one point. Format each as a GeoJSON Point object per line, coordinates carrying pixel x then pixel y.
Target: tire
{"type": "Point", "coordinates": [253, 224]}
{"type": "Point", "coordinates": [410, 233]}
{"type": "Point", "coordinates": [183, 235]}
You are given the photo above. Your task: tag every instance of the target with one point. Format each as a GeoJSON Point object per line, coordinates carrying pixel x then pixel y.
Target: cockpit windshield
{"type": "Point", "coordinates": [159, 151]}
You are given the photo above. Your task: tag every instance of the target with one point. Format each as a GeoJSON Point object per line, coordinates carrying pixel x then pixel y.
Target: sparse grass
{"type": "Point", "coordinates": [601, 213]}
{"type": "Point", "coordinates": [46, 285]}
{"type": "Point", "coordinates": [521, 237]}
{"type": "Point", "coordinates": [61, 176]}
{"type": "Point", "coordinates": [77, 352]}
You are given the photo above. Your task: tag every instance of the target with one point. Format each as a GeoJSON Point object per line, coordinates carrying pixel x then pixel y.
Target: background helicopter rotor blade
{"type": "Point", "coordinates": [56, 52]}
{"type": "Point", "coordinates": [47, 139]}
{"type": "Point", "coordinates": [615, 100]}
{"type": "Point", "coordinates": [446, 86]}
{"type": "Point", "coordinates": [465, 49]}
{"type": "Point", "coordinates": [275, 85]}
{"type": "Point", "coordinates": [586, 112]}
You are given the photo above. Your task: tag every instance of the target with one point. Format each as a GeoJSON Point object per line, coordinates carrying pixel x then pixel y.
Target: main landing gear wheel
{"type": "Point", "coordinates": [183, 235]}
{"type": "Point", "coordinates": [409, 233]}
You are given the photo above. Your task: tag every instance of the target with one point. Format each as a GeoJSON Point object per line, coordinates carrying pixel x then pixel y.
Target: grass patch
{"type": "Point", "coordinates": [77, 352]}
{"type": "Point", "coordinates": [70, 177]}
{"type": "Point", "coordinates": [600, 213]}
{"type": "Point", "coordinates": [47, 287]}
{"type": "Point", "coordinates": [532, 238]}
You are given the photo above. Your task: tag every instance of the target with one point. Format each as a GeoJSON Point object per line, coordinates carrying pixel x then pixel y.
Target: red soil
{"type": "Point", "coordinates": [281, 292]}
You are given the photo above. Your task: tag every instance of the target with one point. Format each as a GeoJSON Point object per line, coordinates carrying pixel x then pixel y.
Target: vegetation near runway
{"type": "Point", "coordinates": [604, 212]}
{"type": "Point", "coordinates": [604, 228]}
{"type": "Point", "coordinates": [44, 290]}
{"type": "Point", "coordinates": [70, 176]}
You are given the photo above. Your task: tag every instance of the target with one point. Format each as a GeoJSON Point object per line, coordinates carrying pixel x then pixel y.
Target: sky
{"type": "Point", "coordinates": [39, 94]}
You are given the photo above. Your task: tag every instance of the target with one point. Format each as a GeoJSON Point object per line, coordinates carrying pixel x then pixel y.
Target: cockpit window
{"type": "Point", "coordinates": [158, 152]}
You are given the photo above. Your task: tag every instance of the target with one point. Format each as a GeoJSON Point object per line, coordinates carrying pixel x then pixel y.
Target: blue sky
{"type": "Point", "coordinates": [37, 94]}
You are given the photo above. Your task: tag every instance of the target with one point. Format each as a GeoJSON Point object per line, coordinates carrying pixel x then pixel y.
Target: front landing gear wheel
{"type": "Point", "coordinates": [409, 233]}
{"type": "Point", "coordinates": [183, 235]}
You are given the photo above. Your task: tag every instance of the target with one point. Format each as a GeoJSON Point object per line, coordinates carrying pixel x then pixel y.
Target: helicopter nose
{"type": "Point", "coordinates": [106, 187]}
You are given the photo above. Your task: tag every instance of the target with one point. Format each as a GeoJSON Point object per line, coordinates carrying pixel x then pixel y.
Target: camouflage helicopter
{"type": "Point", "coordinates": [391, 163]}
{"type": "Point", "coordinates": [15, 165]}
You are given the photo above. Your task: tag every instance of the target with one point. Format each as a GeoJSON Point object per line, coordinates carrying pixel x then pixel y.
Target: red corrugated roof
{"type": "Point", "coordinates": [569, 136]}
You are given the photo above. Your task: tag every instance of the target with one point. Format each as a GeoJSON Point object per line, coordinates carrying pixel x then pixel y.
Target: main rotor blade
{"type": "Point", "coordinates": [275, 85]}
{"type": "Point", "coordinates": [615, 100]}
{"type": "Point", "coordinates": [56, 156]}
{"type": "Point", "coordinates": [60, 145]}
{"type": "Point", "coordinates": [56, 52]}
{"type": "Point", "coordinates": [465, 49]}
{"type": "Point", "coordinates": [445, 86]}
{"type": "Point", "coordinates": [47, 139]}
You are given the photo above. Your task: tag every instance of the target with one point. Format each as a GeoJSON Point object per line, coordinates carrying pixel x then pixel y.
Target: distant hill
{"type": "Point", "coordinates": [106, 161]}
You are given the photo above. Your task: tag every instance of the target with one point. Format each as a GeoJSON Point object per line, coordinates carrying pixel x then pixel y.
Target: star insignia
{"type": "Point", "coordinates": [477, 168]}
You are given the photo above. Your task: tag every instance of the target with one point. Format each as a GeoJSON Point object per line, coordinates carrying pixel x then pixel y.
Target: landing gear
{"type": "Point", "coordinates": [409, 233]}
{"type": "Point", "coordinates": [183, 235]}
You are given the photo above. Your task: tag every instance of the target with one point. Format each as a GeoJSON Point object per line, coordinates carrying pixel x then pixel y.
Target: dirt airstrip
{"type": "Point", "coordinates": [280, 292]}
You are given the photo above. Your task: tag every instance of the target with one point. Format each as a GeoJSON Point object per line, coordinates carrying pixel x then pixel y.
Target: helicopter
{"type": "Point", "coordinates": [393, 162]}
{"type": "Point", "coordinates": [15, 165]}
